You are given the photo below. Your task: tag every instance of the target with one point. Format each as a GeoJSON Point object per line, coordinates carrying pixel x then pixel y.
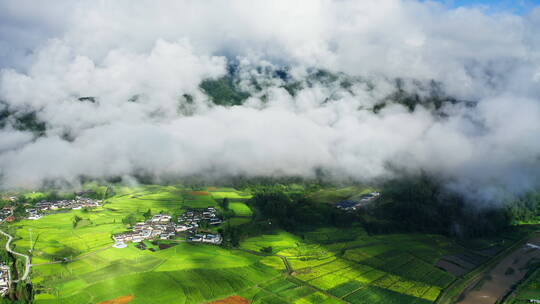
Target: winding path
{"type": "Point", "coordinates": [27, 258]}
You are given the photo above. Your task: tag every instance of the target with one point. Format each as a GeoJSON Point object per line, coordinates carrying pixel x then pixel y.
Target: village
{"type": "Point", "coordinates": [77, 203]}
{"type": "Point", "coordinates": [161, 226]}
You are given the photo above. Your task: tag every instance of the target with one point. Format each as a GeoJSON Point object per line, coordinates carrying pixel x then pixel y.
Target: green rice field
{"type": "Point", "coordinates": [230, 193]}
{"type": "Point", "coordinates": [328, 265]}
{"type": "Point", "coordinates": [240, 209]}
{"type": "Point", "coordinates": [351, 267]}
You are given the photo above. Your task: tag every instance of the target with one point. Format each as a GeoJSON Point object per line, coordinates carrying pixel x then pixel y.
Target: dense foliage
{"type": "Point", "coordinates": [423, 204]}
{"type": "Point", "coordinates": [223, 91]}
{"type": "Point", "coordinates": [525, 209]}
{"type": "Point", "coordinates": [294, 212]}
{"type": "Point", "coordinates": [22, 121]}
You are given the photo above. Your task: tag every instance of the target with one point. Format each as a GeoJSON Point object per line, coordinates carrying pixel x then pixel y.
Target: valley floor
{"type": "Point", "coordinates": [75, 262]}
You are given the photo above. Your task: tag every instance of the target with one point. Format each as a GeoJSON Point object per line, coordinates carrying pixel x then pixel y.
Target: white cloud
{"type": "Point", "coordinates": [117, 50]}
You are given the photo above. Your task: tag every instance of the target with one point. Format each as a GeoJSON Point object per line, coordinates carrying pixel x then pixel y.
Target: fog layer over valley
{"type": "Point", "coordinates": [354, 89]}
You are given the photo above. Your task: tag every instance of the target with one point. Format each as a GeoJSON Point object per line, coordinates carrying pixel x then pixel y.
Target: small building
{"type": "Point", "coordinates": [212, 238]}
{"type": "Point", "coordinates": [34, 216]}
{"type": "Point", "coordinates": [215, 221]}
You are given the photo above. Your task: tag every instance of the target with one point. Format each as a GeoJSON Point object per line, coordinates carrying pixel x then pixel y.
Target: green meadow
{"type": "Point", "coordinates": [183, 273]}
{"type": "Point", "coordinates": [327, 265]}
{"type": "Point", "coordinates": [240, 209]}
{"type": "Point", "coordinates": [230, 193]}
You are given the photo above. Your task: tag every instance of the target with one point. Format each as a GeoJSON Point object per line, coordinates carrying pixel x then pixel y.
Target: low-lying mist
{"type": "Point", "coordinates": [359, 90]}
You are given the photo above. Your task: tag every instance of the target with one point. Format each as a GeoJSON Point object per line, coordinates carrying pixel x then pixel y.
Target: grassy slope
{"type": "Point", "coordinates": [240, 209]}
{"type": "Point", "coordinates": [183, 273]}
{"type": "Point", "coordinates": [230, 193]}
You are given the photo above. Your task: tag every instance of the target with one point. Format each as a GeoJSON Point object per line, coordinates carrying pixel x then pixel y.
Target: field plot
{"type": "Point", "coordinates": [197, 199]}
{"type": "Point", "coordinates": [282, 290]}
{"type": "Point", "coordinates": [352, 266]}
{"type": "Point", "coordinates": [240, 209]}
{"type": "Point", "coordinates": [279, 241]}
{"type": "Point", "coordinates": [168, 199]}
{"type": "Point", "coordinates": [382, 269]}
{"type": "Point", "coordinates": [230, 193]}
{"type": "Point", "coordinates": [374, 294]}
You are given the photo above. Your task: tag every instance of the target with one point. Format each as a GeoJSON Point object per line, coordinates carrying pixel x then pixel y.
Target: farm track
{"type": "Point", "coordinates": [26, 257]}
{"type": "Point", "coordinates": [319, 290]}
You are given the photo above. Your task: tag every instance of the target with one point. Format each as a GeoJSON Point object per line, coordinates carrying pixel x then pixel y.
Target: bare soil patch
{"type": "Point", "coordinates": [231, 300]}
{"type": "Point", "coordinates": [199, 193]}
{"type": "Point", "coordinates": [119, 300]}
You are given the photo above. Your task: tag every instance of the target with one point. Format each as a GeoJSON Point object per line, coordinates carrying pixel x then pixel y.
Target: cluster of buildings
{"type": "Point", "coordinates": [4, 279]}
{"type": "Point", "coordinates": [74, 204]}
{"type": "Point", "coordinates": [355, 204]}
{"type": "Point", "coordinates": [6, 214]}
{"type": "Point", "coordinates": [190, 220]}
{"type": "Point", "coordinates": [159, 226]}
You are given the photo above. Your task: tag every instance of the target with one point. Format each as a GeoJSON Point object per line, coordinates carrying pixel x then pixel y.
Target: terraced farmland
{"type": "Point", "coordinates": [384, 269]}
{"type": "Point", "coordinates": [387, 274]}
{"type": "Point", "coordinates": [285, 291]}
